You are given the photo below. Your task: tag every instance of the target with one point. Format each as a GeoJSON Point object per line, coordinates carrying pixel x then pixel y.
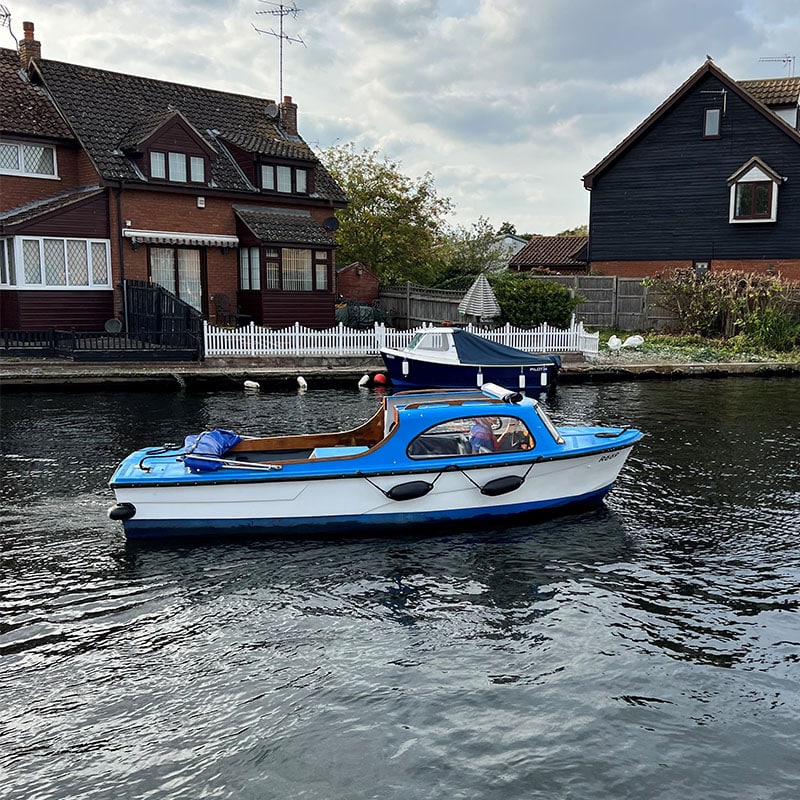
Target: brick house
{"type": "Point", "coordinates": [710, 179]}
{"type": "Point", "coordinates": [562, 255]}
{"type": "Point", "coordinates": [107, 177]}
{"type": "Point", "coordinates": [357, 282]}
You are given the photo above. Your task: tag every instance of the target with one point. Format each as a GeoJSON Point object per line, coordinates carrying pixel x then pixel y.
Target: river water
{"type": "Point", "coordinates": [648, 649]}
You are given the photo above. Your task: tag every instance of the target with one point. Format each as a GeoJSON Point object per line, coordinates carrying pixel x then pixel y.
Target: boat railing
{"type": "Point", "coordinates": [298, 340]}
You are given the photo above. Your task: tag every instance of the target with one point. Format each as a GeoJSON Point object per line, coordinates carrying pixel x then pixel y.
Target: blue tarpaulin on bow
{"type": "Point", "coordinates": [210, 446]}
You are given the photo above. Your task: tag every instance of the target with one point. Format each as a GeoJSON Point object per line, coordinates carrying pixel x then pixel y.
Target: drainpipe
{"type": "Point", "coordinates": [121, 248]}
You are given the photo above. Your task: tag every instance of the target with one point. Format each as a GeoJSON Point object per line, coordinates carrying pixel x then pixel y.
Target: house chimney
{"type": "Point", "coordinates": [29, 48]}
{"type": "Point", "coordinates": [289, 116]}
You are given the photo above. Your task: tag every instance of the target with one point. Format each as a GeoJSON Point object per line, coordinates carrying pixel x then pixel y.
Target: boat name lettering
{"type": "Point", "coordinates": [609, 456]}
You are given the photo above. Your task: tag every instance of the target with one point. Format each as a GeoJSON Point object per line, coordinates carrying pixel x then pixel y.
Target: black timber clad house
{"type": "Point", "coordinates": [115, 177]}
{"type": "Point", "coordinates": [710, 178]}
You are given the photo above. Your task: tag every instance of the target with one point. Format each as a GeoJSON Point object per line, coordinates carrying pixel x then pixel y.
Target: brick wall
{"type": "Point", "coordinates": [16, 190]}
{"type": "Point", "coordinates": [786, 267]}
{"type": "Point", "coordinates": [356, 282]}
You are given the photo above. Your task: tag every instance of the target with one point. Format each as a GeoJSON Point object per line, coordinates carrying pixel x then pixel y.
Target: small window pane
{"type": "Point", "coordinates": [100, 264]}
{"type": "Point", "coordinates": [268, 178]}
{"type": "Point", "coordinates": [3, 265]}
{"type": "Point", "coordinates": [189, 277]}
{"type": "Point", "coordinates": [255, 269]}
{"type": "Point", "coordinates": [762, 200]}
{"type": "Point", "coordinates": [198, 168]}
{"type": "Point", "coordinates": [177, 167]}
{"type": "Point", "coordinates": [162, 267]}
{"type": "Point", "coordinates": [12, 270]}
{"type": "Point", "coordinates": [273, 277]}
{"type": "Point", "coordinates": [712, 122]}
{"type": "Point", "coordinates": [744, 199]}
{"type": "Point", "coordinates": [158, 168]}
{"type": "Point", "coordinates": [55, 267]}
{"type": "Point", "coordinates": [302, 184]}
{"type": "Point", "coordinates": [297, 270]}
{"type": "Point", "coordinates": [322, 276]}
{"type": "Point", "coordinates": [9, 157]}
{"type": "Point", "coordinates": [38, 160]}
{"type": "Point", "coordinates": [244, 268]}
{"type": "Point", "coordinates": [31, 261]}
{"type": "Point", "coordinates": [284, 179]}
{"type": "Point", "coordinates": [77, 263]}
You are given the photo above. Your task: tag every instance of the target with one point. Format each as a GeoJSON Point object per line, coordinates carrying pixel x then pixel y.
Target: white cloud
{"type": "Point", "coordinates": [507, 103]}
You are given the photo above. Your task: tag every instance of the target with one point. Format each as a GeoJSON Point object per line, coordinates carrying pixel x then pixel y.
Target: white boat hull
{"type": "Point", "coordinates": [282, 505]}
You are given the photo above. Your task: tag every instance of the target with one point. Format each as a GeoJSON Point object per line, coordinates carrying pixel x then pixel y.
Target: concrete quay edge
{"type": "Point", "coordinates": [57, 374]}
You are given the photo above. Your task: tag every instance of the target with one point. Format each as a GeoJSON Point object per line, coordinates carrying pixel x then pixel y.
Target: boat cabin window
{"type": "Point", "coordinates": [430, 341]}
{"type": "Point", "coordinates": [472, 436]}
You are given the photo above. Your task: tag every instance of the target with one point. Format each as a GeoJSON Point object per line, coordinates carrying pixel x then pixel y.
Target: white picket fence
{"type": "Point", "coordinates": [297, 340]}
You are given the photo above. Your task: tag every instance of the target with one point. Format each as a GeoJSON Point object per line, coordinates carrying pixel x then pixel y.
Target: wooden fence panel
{"type": "Point", "coordinates": [609, 302]}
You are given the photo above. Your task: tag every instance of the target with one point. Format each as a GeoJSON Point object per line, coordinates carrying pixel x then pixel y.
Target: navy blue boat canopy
{"type": "Point", "coordinates": [474, 349]}
{"type": "Point", "coordinates": [209, 445]}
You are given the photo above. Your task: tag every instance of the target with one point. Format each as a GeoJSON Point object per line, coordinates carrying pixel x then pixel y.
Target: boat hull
{"type": "Point", "coordinates": [408, 372]}
{"type": "Point", "coordinates": [278, 505]}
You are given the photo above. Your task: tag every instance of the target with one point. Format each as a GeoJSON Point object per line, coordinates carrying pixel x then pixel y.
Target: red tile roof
{"type": "Point", "coordinates": [774, 91]}
{"type": "Point", "coordinates": [553, 252]}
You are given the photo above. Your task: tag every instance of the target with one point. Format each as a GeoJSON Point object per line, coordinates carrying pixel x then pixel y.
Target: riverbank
{"type": "Point", "coordinates": [56, 374]}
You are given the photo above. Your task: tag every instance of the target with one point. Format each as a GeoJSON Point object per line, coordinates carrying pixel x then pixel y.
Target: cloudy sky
{"type": "Point", "coordinates": [507, 103]}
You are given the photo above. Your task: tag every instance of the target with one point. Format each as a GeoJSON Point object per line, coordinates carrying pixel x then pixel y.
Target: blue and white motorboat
{"type": "Point", "coordinates": [425, 458]}
{"type": "Point", "coordinates": [452, 358]}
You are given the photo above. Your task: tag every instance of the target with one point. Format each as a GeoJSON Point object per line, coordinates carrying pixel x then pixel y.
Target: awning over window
{"type": "Point", "coordinates": [175, 237]}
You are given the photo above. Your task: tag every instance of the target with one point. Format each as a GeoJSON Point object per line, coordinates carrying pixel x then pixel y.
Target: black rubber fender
{"type": "Point", "coordinates": [122, 512]}
{"type": "Point", "coordinates": [409, 491]}
{"type": "Point", "coordinates": [508, 483]}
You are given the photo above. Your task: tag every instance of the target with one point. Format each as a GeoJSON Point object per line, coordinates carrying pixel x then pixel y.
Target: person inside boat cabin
{"type": "Point", "coordinates": [481, 436]}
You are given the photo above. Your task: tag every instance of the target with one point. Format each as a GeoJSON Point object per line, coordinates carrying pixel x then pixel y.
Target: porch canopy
{"type": "Point", "coordinates": [284, 226]}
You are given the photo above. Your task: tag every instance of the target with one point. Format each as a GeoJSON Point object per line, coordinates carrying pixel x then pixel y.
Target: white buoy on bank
{"type": "Point", "coordinates": [364, 380]}
{"type": "Point", "coordinates": [301, 382]}
{"type": "Point", "coordinates": [252, 386]}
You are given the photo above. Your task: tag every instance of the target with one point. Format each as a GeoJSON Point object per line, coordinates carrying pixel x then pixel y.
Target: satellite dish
{"type": "Point", "coordinates": [330, 224]}
{"type": "Point", "coordinates": [113, 325]}
{"type": "Point", "coordinates": [271, 111]}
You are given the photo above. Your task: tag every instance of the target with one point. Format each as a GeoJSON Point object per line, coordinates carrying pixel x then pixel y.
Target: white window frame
{"type": "Point", "coordinates": [21, 172]}
{"type": "Point", "coordinates": [173, 166]}
{"type": "Point", "coordinates": [712, 123]}
{"type": "Point", "coordinates": [753, 175]}
{"type": "Point", "coordinates": [15, 244]}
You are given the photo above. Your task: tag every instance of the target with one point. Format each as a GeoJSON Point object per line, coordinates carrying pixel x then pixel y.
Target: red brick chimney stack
{"type": "Point", "coordinates": [29, 48]}
{"type": "Point", "coordinates": [289, 116]}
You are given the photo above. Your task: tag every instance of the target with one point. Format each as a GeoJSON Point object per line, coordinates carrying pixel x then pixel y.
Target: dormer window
{"type": "Point", "coordinates": [712, 119]}
{"type": "Point", "coordinates": [284, 179]}
{"type": "Point", "coordinates": [754, 193]}
{"type": "Point", "coordinates": [177, 167]}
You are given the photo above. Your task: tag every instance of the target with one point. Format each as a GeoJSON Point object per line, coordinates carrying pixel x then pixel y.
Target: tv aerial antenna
{"type": "Point", "coordinates": [281, 11]}
{"type": "Point", "coordinates": [5, 21]}
{"type": "Point", "coordinates": [787, 61]}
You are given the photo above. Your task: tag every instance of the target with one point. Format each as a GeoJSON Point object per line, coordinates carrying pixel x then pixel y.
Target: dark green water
{"type": "Point", "coordinates": [649, 649]}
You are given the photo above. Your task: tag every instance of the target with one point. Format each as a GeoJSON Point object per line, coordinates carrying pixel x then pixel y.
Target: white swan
{"type": "Point", "coordinates": [634, 341]}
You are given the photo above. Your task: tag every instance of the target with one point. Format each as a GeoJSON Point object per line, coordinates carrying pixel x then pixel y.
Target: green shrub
{"type": "Point", "coordinates": [729, 304]}
{"type": "Point", "coordinates": [770, 329]}
{"type": "Point", "coordinates": [527, 302]}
